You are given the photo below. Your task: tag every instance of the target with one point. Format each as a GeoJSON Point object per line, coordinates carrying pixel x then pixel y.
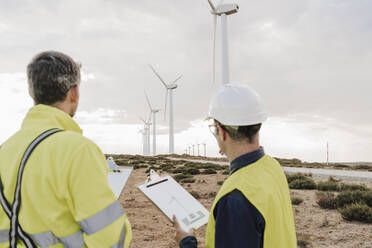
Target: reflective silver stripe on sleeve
{"type": "Point", "coordinates": [47, 239]}
{"type": "Point", "coordinates": [120, 244]}
{"type": "Point", "coordinates": [102, 219]}
{"type": "Point", "coordinates": [4, 235]}
{"type": "Point", "coordinates": [75, 240]}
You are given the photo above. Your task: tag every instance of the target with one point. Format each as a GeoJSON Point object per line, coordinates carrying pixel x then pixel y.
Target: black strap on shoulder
{"type": "Point", "coordinates": [12, 211]}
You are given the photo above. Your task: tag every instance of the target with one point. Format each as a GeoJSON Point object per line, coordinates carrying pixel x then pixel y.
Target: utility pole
{"type": "Point", "coordinates": [327, 154]}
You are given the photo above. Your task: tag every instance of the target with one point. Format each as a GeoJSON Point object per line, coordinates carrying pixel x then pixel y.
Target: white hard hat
{"type": "Point", "coordinates": [237, 105]}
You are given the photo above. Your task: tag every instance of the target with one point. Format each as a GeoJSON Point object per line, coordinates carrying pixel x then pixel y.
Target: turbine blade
{"type": "Point", "coordinates": [149, 118]}
{"type": "Point", "coordinates": [212, 6]}
{"type": "Point", "coordinates": [214, 47]}
{"type": "Point", "coordinates": [148, 101]}
{"type": "Point", "coordinates": [157, 74]}
{"type": "Point", "coordinates": [142, 119]}
{"type": "Point", "coordinates": [177, 79]}
{"type": "Point", "coordinates": [166, 100]}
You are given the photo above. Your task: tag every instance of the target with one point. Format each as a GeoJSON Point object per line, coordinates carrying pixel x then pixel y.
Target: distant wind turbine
{"type": "Point", "coordinates": [153, 112]}
{"type": "Point", "coordinates": [169, 87]}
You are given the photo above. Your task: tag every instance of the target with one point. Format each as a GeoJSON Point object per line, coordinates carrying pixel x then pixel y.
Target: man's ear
{"type": "Point", "coordinates": [74, 93]}
{"type": "Point", "coordinates": [30, 92]}
{"type": "Point", "coordinates": [222, 132]}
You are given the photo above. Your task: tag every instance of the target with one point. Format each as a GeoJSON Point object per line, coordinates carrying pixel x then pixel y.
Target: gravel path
{"type": "Point", "coordinates": [347, 174]}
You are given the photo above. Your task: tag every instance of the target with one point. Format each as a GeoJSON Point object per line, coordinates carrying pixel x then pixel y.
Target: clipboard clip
{"type": "Point", "coordinates": [154, 179]}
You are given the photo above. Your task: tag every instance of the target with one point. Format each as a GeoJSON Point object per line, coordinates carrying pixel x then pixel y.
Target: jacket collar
{"type": "Point", "coordinates": [45, 117]}
{"type": "Point", "coordinates": [246, 159]}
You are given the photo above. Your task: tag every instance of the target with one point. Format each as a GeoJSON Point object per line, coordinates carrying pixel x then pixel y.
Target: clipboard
{"type": "Point", "coordinates": [172, 199]}
{"type": "Point", "coordinates": [117, 176]}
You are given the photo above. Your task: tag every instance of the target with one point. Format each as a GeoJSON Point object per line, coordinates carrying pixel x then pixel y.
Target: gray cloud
{"type": "Point", "coordinates": [305, 57]}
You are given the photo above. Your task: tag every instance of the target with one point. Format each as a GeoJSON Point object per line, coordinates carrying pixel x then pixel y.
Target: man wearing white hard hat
{"type": "Point", "coordinates": [253, 207]}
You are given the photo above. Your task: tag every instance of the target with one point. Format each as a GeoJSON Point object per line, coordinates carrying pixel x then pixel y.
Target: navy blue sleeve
{"type": "Point", "coordinates": [189, 242]}
{"type": "Point", "coordinates": [238, 223]}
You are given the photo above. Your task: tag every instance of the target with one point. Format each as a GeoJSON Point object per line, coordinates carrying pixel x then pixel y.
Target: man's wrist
{"type": "Point", "coordinates": [189, 242]}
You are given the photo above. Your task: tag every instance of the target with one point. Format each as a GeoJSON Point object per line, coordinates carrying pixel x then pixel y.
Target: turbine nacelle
{"type": "Point", "coordinates": [172, 86]}
{"type": "Point", "coordinates": [227, 9]}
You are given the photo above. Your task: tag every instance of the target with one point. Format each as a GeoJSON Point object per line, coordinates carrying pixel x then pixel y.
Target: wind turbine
{"type": "Point", "coordinates": [205, 149]}
{"type": "Point", "coordinates": [146, 135]}
{"type": "Point", "coordinates": [169, 90]}
{"type": "Point", "coordinates": [222, 10]}
{"type": "Point", "coordinates": [198, 149]}
{"type": "Point", "coordinates": [153, 112]}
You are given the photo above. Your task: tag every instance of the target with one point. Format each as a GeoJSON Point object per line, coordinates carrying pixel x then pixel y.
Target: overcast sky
{"type": "Point", "coordinates": [310, 61]}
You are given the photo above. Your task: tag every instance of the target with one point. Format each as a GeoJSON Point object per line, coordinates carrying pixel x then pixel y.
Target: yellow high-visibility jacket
{"type": "Point", "coordinates": [66, 198]}
{"type": "Point", "coordinates": [264, 184]}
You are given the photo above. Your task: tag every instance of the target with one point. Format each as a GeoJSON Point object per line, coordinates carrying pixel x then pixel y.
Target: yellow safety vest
{"type": "Point", "coordinates": [66, 199]}
{"type": "Point", "coordinates": [264, 184]}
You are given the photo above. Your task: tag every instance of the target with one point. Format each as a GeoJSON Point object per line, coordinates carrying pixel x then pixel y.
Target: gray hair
{"type": "Point", "coordinates": [51, 75]}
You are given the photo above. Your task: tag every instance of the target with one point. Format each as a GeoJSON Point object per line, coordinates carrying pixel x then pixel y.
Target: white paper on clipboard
{"type": "Point", "coordinates": [117, 176]}
{"type": "Point", "coordinates": [172, 199]}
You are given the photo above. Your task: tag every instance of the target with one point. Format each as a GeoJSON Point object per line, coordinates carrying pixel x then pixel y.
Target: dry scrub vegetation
{"type": "Point", "coordinates": [328, 213]}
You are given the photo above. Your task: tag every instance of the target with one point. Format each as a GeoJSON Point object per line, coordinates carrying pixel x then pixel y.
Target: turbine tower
{"type": "Point", "coordinates": [146, 134]}
{"type": "Point", "coordinates": [144, 139]}
{"type": "Point", "coordinates": [222, 10]}
{"type": "Point", "coordinates": [205, 149]}
{"type": "Point", "coordinates": [169, 90]}
{"type": "Point", "coordinates": [153, 112]}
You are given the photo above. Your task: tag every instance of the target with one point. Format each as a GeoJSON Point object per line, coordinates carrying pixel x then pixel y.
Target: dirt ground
{"type": "Point", "coordinates": [322, 228]}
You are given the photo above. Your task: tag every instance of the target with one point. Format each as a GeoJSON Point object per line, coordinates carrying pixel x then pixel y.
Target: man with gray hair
{"type": "Point", "coordinates": [54, 188]}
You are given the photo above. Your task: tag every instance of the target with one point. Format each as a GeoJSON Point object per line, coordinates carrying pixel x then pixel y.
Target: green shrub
{"type": "Point", "coordinates": [303, 240]}
{"type": "Point", "coordinates": [139, 166]}
{"type": "Point", "coordinates": [313, 165]}
{"type": "Point", "coordinates": [304, 183]}
{"type": "Point", "coordinates": [195, 194]}
{"type": "Point", "coordinates": [191, 164]}
{"type": "Point", "coordinates": [328, 186]}
{"type": "Point", "coordinates": [180, 177]}
{"type": "Point", "coordinates": [367, 198]}
{"type": "Point", "coordinates": [178, 170]}
{"type": "Point", "coordinates": [363, 167]}
{"type": "Point", "coordinates": [353, 187]}
{"type": "Point", "coordinates": [358, 211]}
{"type": "Point", "coordinates": [340, 166]}
{"type": "Point", "coordinates": [192, 171]}
{"type": "Point", "coordinates": [292, 177]}
{"type": "Point", "coordinates": [226, 172]}
{"type": "Point", "coordinates": [212, 166]}
{"type": "Point", "coordinates": [220, 182]}
{"type": "Point", "coordinates": [209, 171]}
{"type": "Point", "coordinates": [188, 180]}
{"type": "Point", "coordinates": [326, 200]}
{"type": "Point", "coordinates": [296, 200]}
{"type": "Point", "coordinates": [353, 197]}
